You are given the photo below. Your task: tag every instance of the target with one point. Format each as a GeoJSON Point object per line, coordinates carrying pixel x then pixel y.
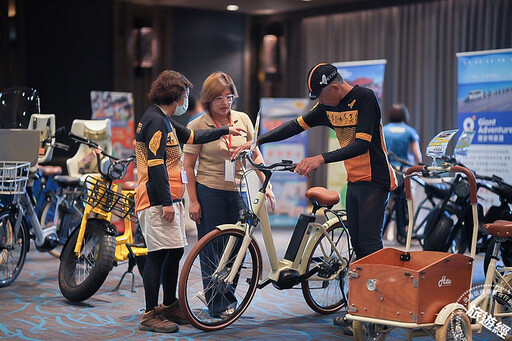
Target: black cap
{"type": "Point", "coordinates": [319, 77]}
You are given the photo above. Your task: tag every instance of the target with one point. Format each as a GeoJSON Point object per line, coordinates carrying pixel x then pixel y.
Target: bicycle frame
{"type": "Point", "coordinates": [25, 207]}
{"type": "Point", "coordinates": [122, 251]}
{"type": "Point", "coordinates": [277, 266]}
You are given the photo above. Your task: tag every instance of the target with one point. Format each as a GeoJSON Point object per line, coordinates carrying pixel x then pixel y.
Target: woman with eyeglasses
{"type": "Point", "coordinates": [214, 198]}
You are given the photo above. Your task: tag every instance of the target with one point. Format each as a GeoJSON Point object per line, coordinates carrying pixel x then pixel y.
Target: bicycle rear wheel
{"type": "Point", "coordinates": [323, 294]}
{"type": "Point", "coordinates": [208, 301]}
{"type": "Point", "coordinates": [80, 277]}
{"type": "Point", "coordinates": [13, 248]}
{"type": "Point", "coordinates": [65, 218]}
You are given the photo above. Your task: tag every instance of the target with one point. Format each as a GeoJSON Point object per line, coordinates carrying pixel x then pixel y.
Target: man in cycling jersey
{"type": "Point", "coordinates": [353, 112]}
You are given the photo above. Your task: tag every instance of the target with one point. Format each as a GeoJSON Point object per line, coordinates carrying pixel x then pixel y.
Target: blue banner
{"type": "Point", "coordinates": [485, 107]}
{"type": "Point", "coordinates": [289, 188]}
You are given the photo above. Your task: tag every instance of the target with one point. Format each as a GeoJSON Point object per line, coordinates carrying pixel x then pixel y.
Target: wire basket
{"type": "Point", "coordinates": [13, 176]}
{"type": "Point", "coordinates": [99, 194]}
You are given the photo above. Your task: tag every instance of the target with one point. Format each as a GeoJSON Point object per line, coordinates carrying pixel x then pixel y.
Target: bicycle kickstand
{"type": "Point", "coordinates": [131, 265]}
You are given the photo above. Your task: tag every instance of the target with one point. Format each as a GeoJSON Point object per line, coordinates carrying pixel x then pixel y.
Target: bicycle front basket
{"type": "Point", "coordinates": [13, 177]}
{"type": "Point", "coordinates": [99, 194]}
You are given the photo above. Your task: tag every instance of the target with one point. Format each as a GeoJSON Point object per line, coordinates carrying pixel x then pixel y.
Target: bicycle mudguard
{"type": "Point", "coordinates": [109, 228]}
{"type": "Point", "coordinates": [230, 226]}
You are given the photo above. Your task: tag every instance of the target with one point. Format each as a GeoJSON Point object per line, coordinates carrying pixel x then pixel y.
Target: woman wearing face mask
{"type": "Point", "coordinates": [159, 194]}
{"type": "Point", "coordinates": [213, 194]}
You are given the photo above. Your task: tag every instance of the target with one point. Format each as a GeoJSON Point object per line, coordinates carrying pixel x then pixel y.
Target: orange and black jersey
{"type": "Point", "coordinates": [158, 152]}
{"type": "Point", "coordinates": [357, 123]}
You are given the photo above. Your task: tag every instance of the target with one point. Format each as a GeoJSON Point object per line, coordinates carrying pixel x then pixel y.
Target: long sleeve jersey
{"type": "Point", "coordinates": [159, 163]}
{"type": "Point", "coordinates": [357, 123]}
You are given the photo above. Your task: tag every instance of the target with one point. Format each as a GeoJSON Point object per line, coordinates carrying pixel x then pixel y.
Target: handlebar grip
{"type": "Point", "coordinates": [62, 146]}
{"type": "Point", "coordinates": [79, 138]}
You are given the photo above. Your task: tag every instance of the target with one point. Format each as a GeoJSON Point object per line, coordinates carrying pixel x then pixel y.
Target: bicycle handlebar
{"type": "Point", "coordinates": [426, 169]}
{"type": "Point", "coordinates": [286, 165]}
{"type": "Point", "coordinates": [118, 167]}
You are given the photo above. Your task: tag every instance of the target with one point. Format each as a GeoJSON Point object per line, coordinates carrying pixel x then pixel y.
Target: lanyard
{"type": "Point", "coordinates": [224, 136]}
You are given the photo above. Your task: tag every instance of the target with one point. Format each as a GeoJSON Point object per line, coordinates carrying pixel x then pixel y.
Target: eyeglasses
{"type": "Point", "coordinates": [229, 98]}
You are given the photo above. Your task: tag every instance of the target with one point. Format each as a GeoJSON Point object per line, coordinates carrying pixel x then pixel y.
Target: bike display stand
{"type": "Point", "coordinates": [131, 264]}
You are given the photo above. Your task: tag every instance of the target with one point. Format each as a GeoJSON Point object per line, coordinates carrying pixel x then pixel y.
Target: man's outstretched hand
{"type": "Point", "coordinates": [309, 164]}
{"type": "Point", "coordinates": [237, 151]}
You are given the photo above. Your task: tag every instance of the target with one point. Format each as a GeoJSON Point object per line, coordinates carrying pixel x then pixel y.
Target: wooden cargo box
{"type": "Point", "coordinates": [384, 286]}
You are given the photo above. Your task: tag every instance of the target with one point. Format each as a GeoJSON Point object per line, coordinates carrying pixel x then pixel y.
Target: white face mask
{"type": "Point", "coordinates": [181, 109]}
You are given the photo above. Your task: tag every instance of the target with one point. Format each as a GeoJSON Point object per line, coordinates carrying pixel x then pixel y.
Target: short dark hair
{"type": "Point", "coordinates": [398, 113]}
{"type": "Point", "coordinates": [168, 87]}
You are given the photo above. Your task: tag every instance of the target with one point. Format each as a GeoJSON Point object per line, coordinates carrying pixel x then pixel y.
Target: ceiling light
{"type": "Point", "coordinates": [232, 8]}
{"type": "Point", "coordinates": [307, 0]}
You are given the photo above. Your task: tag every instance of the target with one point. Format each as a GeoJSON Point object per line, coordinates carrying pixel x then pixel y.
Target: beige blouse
{"type": "Point", "coordinates": [212, 155]}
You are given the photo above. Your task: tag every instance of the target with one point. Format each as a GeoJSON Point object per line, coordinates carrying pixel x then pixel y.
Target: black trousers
{"type": "Point", "coordinates": [366, 204]}
{"type": "Point", "coordinates": [161, 268]}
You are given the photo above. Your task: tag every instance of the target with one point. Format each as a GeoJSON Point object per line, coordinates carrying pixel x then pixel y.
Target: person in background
{"type": "Point", "coordinates": [400, 137]}
{"type": "Point", "coordinates": [159, 195]}
{"type": "Point", "coordinates": [353, 112]}
{"type": "Point", "coordinates": [213, 193]}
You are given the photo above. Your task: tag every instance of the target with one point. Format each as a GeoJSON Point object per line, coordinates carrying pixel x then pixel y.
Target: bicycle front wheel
{"type": "Point", "coordinates": [80, 277]}
{"type": "Point", "coordinates": [208, 300]}
{"type": "Point", "coordinates": [324, 292]}
{"type": "Point", "coordinates": [13, 248]}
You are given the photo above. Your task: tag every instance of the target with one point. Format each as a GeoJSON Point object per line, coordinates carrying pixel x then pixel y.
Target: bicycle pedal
{"type": "Point", "coordinates": [264, 283]}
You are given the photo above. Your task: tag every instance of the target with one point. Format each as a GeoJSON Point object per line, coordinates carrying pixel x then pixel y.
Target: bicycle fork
{"type": "Point", "coordinates": [239, 257]}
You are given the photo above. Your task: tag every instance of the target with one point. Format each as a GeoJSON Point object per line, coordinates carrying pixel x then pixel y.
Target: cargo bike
{"type": "Point", "coordinates": [429, 292]}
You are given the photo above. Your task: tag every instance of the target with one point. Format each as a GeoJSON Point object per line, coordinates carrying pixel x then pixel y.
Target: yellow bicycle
{"type": "Point", "coordinates": [94, 248]}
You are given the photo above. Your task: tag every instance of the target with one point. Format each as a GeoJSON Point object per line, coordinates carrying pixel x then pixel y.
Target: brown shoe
{"type": "Point", "coordinates": [154, 322]}
{"type": "Point", "coordinates": [173, 312]}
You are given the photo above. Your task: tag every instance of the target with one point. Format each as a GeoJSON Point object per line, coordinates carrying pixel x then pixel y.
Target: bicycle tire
{"type": "Point", "coordinates": [196, 302]}
{"type": "Point", "coordinates": [401, 220]}
{"type": "Point", "coordinates": [456, 324]}
{"type": "Point", "coordinates": [332, 297]}
{"type": "Point", "coordinates": [67, 220]}
{"type": "Point", "coordinates": [437, 239]}
{"type": "Point", "coordinates": [505, 253]}
{"type": "Point", "coordinates": [498, 308]}
{"type": "Point", "coordinates": [80, 278]}
{"type": "Point", "coordinates": [13, 249]}
{"type": "Point", "coordinates": [47, 219]}
{"type": "Point", "coordinates": [366, 331]}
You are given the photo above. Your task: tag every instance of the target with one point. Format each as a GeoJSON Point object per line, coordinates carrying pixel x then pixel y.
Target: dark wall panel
{"type": "Point", "coordinates": [205, 42]}
{"type": "Point", "coordinates": [68, 54]}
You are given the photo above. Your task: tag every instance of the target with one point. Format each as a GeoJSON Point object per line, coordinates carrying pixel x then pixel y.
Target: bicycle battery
{"type": "Point", "coordinates": [298, 234]}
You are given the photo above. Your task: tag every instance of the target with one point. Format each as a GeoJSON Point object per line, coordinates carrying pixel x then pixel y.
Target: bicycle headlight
{"type": "Point", "coordinates": [116, 170]}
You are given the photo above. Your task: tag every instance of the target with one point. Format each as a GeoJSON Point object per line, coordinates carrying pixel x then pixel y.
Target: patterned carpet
{"type": "Point", "coordinates": [32, 308]}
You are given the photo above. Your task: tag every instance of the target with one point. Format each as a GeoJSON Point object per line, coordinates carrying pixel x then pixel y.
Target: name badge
{"type": "Point", "coordinates": [229, 171]}
{"type": "Point", "coordinates": [184, 179]}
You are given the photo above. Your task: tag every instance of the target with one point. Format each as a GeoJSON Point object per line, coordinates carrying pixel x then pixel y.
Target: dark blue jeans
{"type": "Point", "coordinates": [217, 207]}
{"type": "Point", "coordinates": [366, 204]}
